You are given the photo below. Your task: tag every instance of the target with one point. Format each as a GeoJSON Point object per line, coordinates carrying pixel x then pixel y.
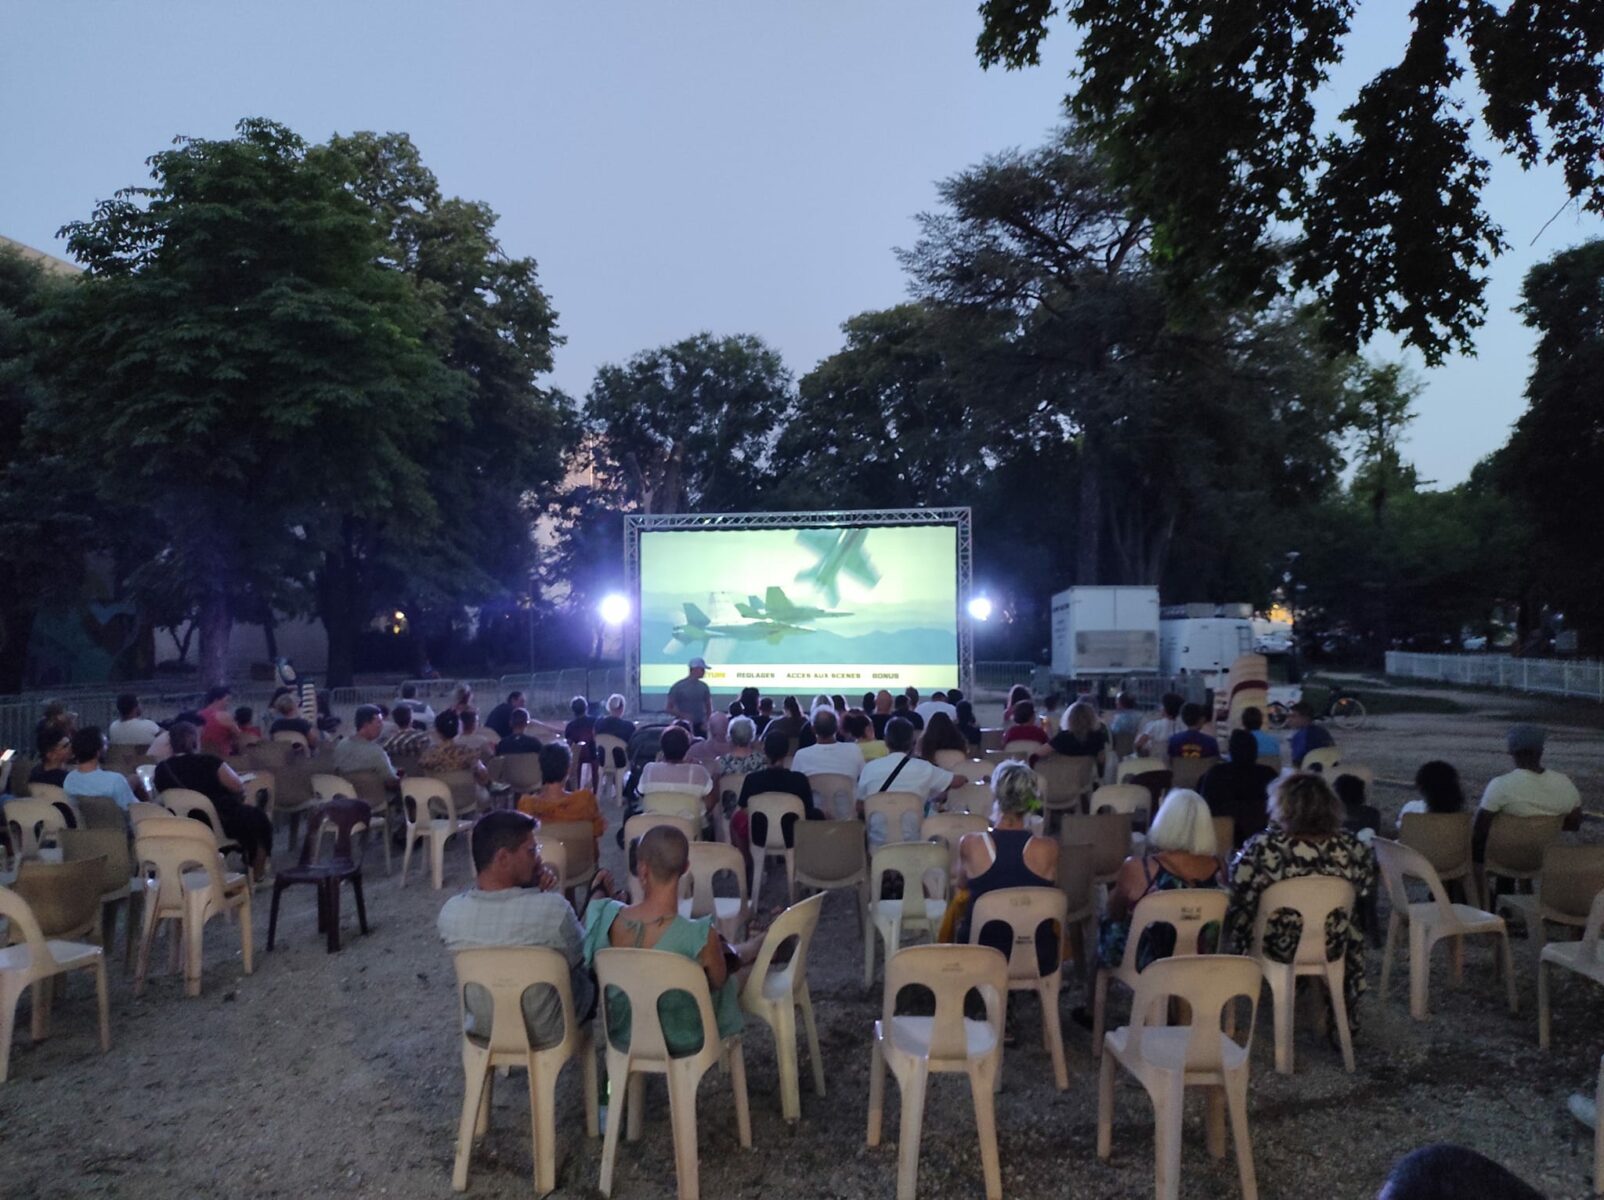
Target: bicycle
{"type": "Point", "coordinates": [1343, 709]}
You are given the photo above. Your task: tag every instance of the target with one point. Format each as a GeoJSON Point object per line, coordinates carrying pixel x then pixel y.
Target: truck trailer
{"type": "Point", "coordinates": [1105, 631]}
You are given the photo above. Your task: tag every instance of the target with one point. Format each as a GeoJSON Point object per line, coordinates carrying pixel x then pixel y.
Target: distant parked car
{"type": "Point", "coordinates": [1474, 643]}
{"type": "Point", "coordinates": [1273, 643]}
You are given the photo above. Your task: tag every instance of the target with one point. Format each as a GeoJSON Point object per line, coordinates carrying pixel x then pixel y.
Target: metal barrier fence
{"type": "Point", "coordinates": [1579, 678]}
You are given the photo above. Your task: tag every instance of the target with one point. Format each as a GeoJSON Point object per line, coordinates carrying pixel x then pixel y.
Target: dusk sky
{"type": "Point", "coordinates": [673, 167]}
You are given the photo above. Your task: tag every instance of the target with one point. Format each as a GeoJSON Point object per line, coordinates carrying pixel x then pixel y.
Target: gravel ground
{"type": "Point", "coordinates": [338, 1075]}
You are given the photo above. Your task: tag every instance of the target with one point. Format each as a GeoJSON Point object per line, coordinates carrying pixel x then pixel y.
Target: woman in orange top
{"type": "Point", "coordinates": [552, 802]}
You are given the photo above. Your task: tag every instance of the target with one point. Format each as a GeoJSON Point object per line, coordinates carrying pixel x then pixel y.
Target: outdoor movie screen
{"type": "Point", "coordinates": [842, 609]}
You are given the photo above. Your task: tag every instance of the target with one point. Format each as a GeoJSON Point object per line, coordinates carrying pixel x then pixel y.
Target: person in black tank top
{"type": "Point", "coordinates": [1009, 856]}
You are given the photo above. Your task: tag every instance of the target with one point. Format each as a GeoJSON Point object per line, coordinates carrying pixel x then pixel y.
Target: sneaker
{"type": "Point", "coordinates": [1584, 1109]}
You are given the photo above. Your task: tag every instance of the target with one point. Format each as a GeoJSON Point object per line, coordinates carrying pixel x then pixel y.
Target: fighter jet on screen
{"type": "Point", "coordinates": [780, 607]}
{"type": "Point", "coordinates": [699, 628]}
{"type": "Point", "coordinates": [838, 550]}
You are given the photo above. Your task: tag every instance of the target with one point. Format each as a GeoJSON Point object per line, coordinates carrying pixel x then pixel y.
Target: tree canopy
{"type": "Point", "coordinates": [1204, 111]}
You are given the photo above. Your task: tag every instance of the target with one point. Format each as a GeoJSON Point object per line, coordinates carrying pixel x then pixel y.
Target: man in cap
{"type": "Point", "coordinates": [691, 700]}
{"type": "Point", "coordinates": [1530, 790]}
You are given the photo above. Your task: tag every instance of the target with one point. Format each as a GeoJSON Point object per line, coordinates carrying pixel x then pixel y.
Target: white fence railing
{"type": "Point", "coordinates": [1545, 676]}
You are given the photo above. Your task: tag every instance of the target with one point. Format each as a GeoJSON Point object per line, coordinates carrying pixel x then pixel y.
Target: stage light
{"type": "Point", "coordinates": [980, 608]}
{"type": "Point", "coordinates": [614, 608]}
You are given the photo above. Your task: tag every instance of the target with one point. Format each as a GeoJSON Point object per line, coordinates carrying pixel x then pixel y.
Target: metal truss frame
{"type": "Point", "coordinates": [637, 523]}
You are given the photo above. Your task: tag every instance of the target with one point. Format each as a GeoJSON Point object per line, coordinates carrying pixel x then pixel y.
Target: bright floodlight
{"type": "Point", "coordinates": [614, 608]}
{"type": "Point", "coordinates": [980, 608]}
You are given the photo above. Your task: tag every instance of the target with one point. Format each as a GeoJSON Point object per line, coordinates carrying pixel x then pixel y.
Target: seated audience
{"type": "Point", "coordinates": [554, 802]}
{"type": "Point", "coordinates": [1192, 742]}
{"type": "Point", "coordinates": [461, 698]}
{"type": "Point", "coordinates": [613, 723]}
{"type": "Point", "coordinates": [857, 729]}
{"type": "Point", "coordinates": [1305, 837]}
{"type": "Point", "coordinates": [1015, 694]}
{"type": "Point", "coordinates": [580, 734]}
{"type": "Point", "coordinates": [1239, 787]}
{"type": "Point", "coordinates": [1437, 790]}
{"type": "Point", "coordinates": [839, 703]}
{"type": "Point", "coordinates": [90, 778]}
{"type": "Point", "coordinates": [1269, 747]}
{"type": "Point", "coordinates": [765, 714]}
{"type": "Point", "coordinates": [1360, 818]}
{"type": "Point", "coordinates": [1083, 735]}
{"type": "Point", "coordinates": [748, 702]}
{"type": "Point", "coordinates": [882, 712]}
{"type": "Point", "coordinates": [219, 734]}
{"type": "Point", "coordinates": [771, 778]}
{"type": "Point", "coordinates": [743, 755]}
{"type": "Point", "coordinates": [361, 751]}
{"type": "Point", "coordinates": [708, 750]}
{"type": "Point", "coordinates": [509, 906]}
{"type": "Point", "coordinates": [661, 860]}
{"type": "Point", "coordinates": [408, 739]}
{"type": "Point", "coordinates": [793, 724]}
{"type": "Point", "coordinates": [900, 771]}
{"type": "Point", "coordinates": [286, 712]}
{"type": "Point", "coordinates": [1180, 852]}
{"type": "Point", "coordinates": [901, 708]}
{"type": "Point", "coordinates": [941, 734]}
{"type": "Point", "coordinates": [827, 755]}
{"type": "Point", "coordinates": [673, 773]}
{"type": "Point", "coordinates": [132, 727]}
{"type": "Point", "coordinates": [499, 719]}
{"type": "Point", "coordinates": [1155, 736]}
{"type": "Point", "coordinates": [447, 755]}
{"type": "Point", "coordinates": [249, 733]}
{"type": "Point", "coordinates": [482, 740]}
{"type": "Point", "coordinates": [1306, 734]}
{"type": "Point", "coordinates": [1127, 720]}
{"type": "Point", "coordinates": [1048, 715]}
{"type": "Point", "coordinates": [967, 725]}
{"type": "Point", "coordinates": [421, 709]}
{"type": "Point", "coordinates": [1009, 856]}
{"type": "Point", "coordinates": [1024, 727]}
{"type": "Point", "coordinates": [55, 756]}
{"type": "Point", "coordinates": [938, 703]}
{"type": "Point", "coordinates": [1529, 790]}
{"type": "Point", "coordinates": [518, 740]}
{"type": "Point", "coordinates": [215, 779]}
{"type": "Point", "coordinates": [1445, 1172]}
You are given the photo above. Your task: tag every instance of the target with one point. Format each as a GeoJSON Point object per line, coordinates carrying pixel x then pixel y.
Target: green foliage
{"type": "Point", "coordinates": [1204, 111]}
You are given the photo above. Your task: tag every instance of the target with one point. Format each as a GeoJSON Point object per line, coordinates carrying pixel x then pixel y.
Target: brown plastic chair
{"type": "Point", "coordinates": [1189, 911]}
{"type": "Point", "coordinates": [34, 961]}
{"type": "Point", "coordinates": [117, 882]}
{"type": "Point", "coordinates": [1157, 783]}
{"type": "Point", "coordinates": [431, 816]}
{"type": "Point", "coordinates": [1131, 799]}
{"type": "Point", "coordinates": [345, 815]}
{"type": "Point", "coordinates": [101, 812]}
{"type": "Point", "coordinates": [991, 739]}
{"type": "Point", "coordinates": [1185, 772]}
{"type": "Point", "coordinates": [520, 771]}
{"type": "Point", "coordinates": [1080, 902]}
{"type": "Point", "coordinates": [1109, 836]}
{"type": "Point", "coordinates": [64, 897]}
{"type": "Point", "coordinates": [578, 840]}
{"type": "Point", "coordinates": [921, 866]}
{"type": "Point", "coordinates": [916, 1047]}
{"type": "Point", "coordinates": [948, 829]}
{"type": "Point", "coordinates": [1429, 922]}
{"type": "Point", "coordinates": [1068, 782]}
{"type": "Point", "coordinates": [836, 796]}
{"type": "Point", "coordinates": [773, 807]}
{"type": "Point", "coordinates": [974, 797]}
{"type": "Point", "coordinates": [1224, 838]}
{"type": "Point", "coordinates": [708, 861]}
{"type": "Point", "coordinates": [188, 884]}
{"type": "Point", "coordinates": [1165, 1058]}
{"type": "Point", "coordinates": [893, 817]}
{"type": "Point", "coordinates": [1024, 909]}
{"type": "Point", "coordinates": [1571, 876]}
{"type": "Point", "coordinates": [774, 994]}
{"type": "Point", "coordinates": [1514, 850]}
{"type": "Point", "coordinates": [1314, 898]}
{"type": "Point", "coordinates": [830, 856]}
{"type": "Point", "coordinates": [1443, 839]}
{"type": "Point", "coordinates": [506, 973]}
{"type": "Point", "coordinates": [1581, 957]}
{"type": "Point", "coordinates": [328, 787]}
{"type": "Point", "coordinates": [644, 977]}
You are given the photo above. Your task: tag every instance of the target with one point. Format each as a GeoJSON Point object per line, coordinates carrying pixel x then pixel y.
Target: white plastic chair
{"type": "Point", "coordinates": [1139, 766]}
{"type": "Point", "coordinates": [643, 976]}
{"type": "Point", "coordinates": [1429, 922]}
{"type": "Point", "coordinates": [1314, 898]}
{"type": "Point", "coordinates": [1581, 957]}
{"type": "Point", "coordinates": [773, 995]}
{"type": "Point", "coordinates": [914, 1048]}
{"type": "Point", "coordinates": [919, 865]}
{"type": "Point", "coordinates": [1165, 1058]}
{"type": "Point", "coordinates": [948, 829]}
{"type": "Point", "coordinates": [188, 884]}
{"type": "Point", "coordinates": [33, 824]}
{"type": "Point", "coordinates": [773, 807]}
{"type": "Point", "coordinates": [673, 802]}
{"type": "Point", "coordinates": [973, 797]}
{"type": "Point", "coordinates": [709, 860]}
{"type": "Point", "coordinates": [421, 799]}
{"type": "Point", "coordinates": [830, 855]}
{"type": "Point", "coordinates": [836, 796]}
{"type": "Point", "coordinates": [893, 817]}
{"type": "Point", "coordinates": [34, 961]}
{"type": "Point", "coordinates": [578, 842]}
{"type": "Point", "coordinates": [609, 775]}
{"type": "Point", "coordinates": [1024, 909]}
{"type": "Point", "coordinates": [1323, 760]}
{"type": "Point", "coordinates": [506, 972]}
{"type": "Point", "coordinates": [1188, 911]}
{"type": "Point", "coordinates": [1131, 799]}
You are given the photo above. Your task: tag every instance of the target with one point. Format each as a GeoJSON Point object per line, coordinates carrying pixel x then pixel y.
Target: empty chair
{"type": "Point", "coordinates": [1581, 957]}
{"type": "Point", "coordinates": [1165, 1058]}
{"type": "Point", "coordinates": [117, 883]}
{"type": "Point", "coordinates": [505, 973]}
{"type": "Point", "coordinates": [1443, 839]}
{"type": "Point", "coordinates": [471, 798]}
{"type": "Point", "coordinates": [1429, 922]}
{"type": "Point", "coordinates": [708, 862]}
{"type": "Point", "coordinates": [1191, 913]}
{"type": "Point", "coordinates": [830, 856]}
{"type": "Point", "coordinates": [297, 743]}
{"type": "Point", "coordinates": [1080, 900]}
{"type": "Point", "coordinates": [612, 760]}
{"type": "Point", "coordinates": [991, 739]}
{"type": "Point", "coordinates": [836, 796]}
{"type": "Point", "coordinates": [642, 978]}
{"type": "Point", "coordinates": [1022, 912]}
{"type": "Point", "coordinates": [1322, 760]}
{"type": "Point", "coordinates": [34, 960]}
{"type": "Point", "coordinates": [189, 886]}
{"type": "Point", "coordinates": [64, 897]}
{"type": "Point", "coordinates": [774, 994]}
{"type": "Point", "coordinates": [430, 813]}
{"type": "Point", "coordinates": [101, 812]}
{"type": "Point", "coordinates": [1185, 772]}
{"type": "Point", "coordinates": [893, 817]}
{"type": "Point", "coordinates": [1131, 799]}
{"type": "Point", "coordinates": [1314, 898]}
{"type": "Point", "coordinates": [55, 794]}
{"type": "Point", "coordinates": [33, 825]}
{"type": "Point", "coordinates": [947, 1042]}
{"type": "Point", "coordinates": [326, 787]}
{"type": "Point", "coordinates": [346, 815]}
{"type": "Point", "coordinates": [1109, 836]}
{"type": "Point", "coordinates": [1570, 878]}
{"type": "Point", "coordinates": [920, 866]}
{"type": "Point", "coordinates": [1515, 847]}
{"type": "Point", "coordinates": [1067, 779]}
{"type": "Point", "coordinates": [768, 837]}
{"type": "Point", "coordinates": [728, 787]}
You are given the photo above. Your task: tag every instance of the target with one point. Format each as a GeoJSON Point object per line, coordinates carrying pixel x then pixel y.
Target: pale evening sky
{"type": "Point", "coordinates": [672, 167]}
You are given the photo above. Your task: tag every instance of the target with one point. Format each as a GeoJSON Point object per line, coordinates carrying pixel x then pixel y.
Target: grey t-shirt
{"type": "Point", "coordinates": [690, 698]}
{"type": "Point", "coordinates": [359, 754]}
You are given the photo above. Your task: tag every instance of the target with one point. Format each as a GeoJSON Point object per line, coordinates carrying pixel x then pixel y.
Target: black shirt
{"type": "Point", "coordinates": [40, 775]}
{"type": "Point", "coordinates": [617, 727]}
{"type": "Point", "coordinates": [1239, 791]}
{"type": "Point", "coordinates": [778, 779]}
{"type": "Point", "coordinates": [198, 773]}
{"type": "Point", "coordinates": [500, 720]}
{"type": "Point", "coordinates": [1065, 742]}
{"type": "Point", "coordinates": [518, 743]}
{"type": "Point", "coordinates": [287, 725]}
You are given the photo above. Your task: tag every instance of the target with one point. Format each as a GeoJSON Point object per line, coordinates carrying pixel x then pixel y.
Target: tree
{"type": "Point", "coordinates": [241, 366]}
{"type": "Point", "coordinates": [1205, 112]}
{"type": "Point", "coordinates": [689, 426]}
{"type": "Point", "coordinates": [1554, 463]}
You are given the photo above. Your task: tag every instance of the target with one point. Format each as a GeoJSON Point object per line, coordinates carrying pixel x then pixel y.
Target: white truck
{"type": "Point", "coordinates": [1202, 639]}
{"type": "Point", "coordinates": [1105, 631]}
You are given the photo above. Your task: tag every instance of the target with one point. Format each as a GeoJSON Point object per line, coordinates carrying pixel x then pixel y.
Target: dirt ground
{"type": "Point", "coordinates": [324, 1075]}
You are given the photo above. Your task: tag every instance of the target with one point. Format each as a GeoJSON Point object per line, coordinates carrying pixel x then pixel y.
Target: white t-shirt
{"type": "Point", "coordinates": [141, 731]}
{"type": "Point", "coordinates": [919, 777]}
{"type": "Point", "coordinates": [834, 758]}
{"type": "Point", "coordinates": [1523, 793]}
{"type": "Point", "coordinates": [929, 708]}
{"type": "Point", "coordinates": [1158, 734]}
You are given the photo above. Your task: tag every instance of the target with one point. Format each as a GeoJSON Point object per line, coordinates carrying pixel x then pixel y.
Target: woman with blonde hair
{"type": "Point", "coordinates": [1305, 837]}
{"type": "Point", "coordinates": [1180, 852]}
{"type": "Point", "coordinates": [1008, 855]}
{"type": "Point", "coordinates": [1083, 735]}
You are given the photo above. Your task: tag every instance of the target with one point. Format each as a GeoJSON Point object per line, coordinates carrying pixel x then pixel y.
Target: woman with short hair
{"type": "Point", "coordinates": [1008, 856]}
{"type": "Point", "coordinates": [216, 780]}
{"type": "Point", "coordinates": [1180, 852]}
{"type": "Point", "coordinates": [743, 756]}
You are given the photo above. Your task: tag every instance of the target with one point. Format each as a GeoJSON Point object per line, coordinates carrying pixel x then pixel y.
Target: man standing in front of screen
{"type": "Point", "coordinates": [690, 700]}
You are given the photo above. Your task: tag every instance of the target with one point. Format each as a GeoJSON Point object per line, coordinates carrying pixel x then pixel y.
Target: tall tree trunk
{"type": "Point", "coordinates": [270, 632]}
{"type": "Point", "coordinates": [335, 587]}
{"type": "Point", "coordinates": [1089, 519]}
{"type": "Point", "coordinates": [216, 620]}
{"type": "Point", "coordinates": [16, 626]}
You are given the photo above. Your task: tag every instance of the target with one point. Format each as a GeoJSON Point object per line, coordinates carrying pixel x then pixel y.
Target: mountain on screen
{"type": "Point", "coordinates": [906, 646]}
